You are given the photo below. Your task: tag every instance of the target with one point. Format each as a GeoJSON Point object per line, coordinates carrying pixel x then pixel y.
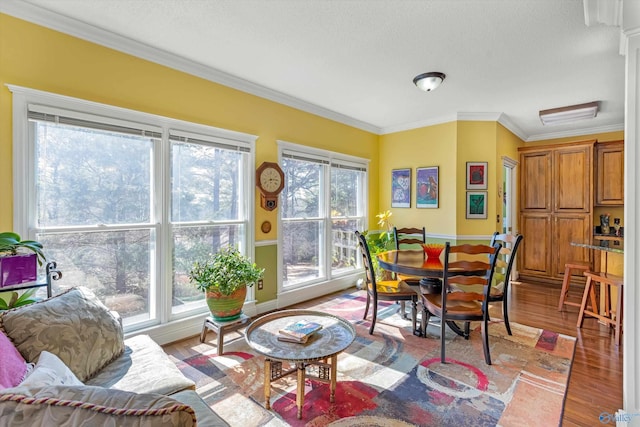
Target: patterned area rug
{"type": "Point", "coordinates": [393, 378]}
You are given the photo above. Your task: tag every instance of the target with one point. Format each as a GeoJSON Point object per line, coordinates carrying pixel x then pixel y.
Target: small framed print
{"type": "Point", "coordinates": [476, 205]}
{"type": "Point", "coordinates": [476, 175]}
{"type": "Point", "coordinates": [401, 188]}
{"type": "Point", "coordinates": [427, 187]}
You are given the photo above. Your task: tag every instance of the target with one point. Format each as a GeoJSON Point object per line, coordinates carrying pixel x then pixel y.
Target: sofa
{"type": "Point", "coordinates": [64, 362]}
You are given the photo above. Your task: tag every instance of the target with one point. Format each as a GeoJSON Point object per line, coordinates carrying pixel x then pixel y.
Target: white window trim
{"type": "Point", "coordinates": [331, 283]}
{"type": "Point", "coordinates": [172, 327]}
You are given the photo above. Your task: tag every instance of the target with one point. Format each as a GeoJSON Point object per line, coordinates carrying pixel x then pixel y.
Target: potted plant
{"type": "Point", "coordinates": [16, 266]}
{"type": "Point", "coordinates": [224, 277]}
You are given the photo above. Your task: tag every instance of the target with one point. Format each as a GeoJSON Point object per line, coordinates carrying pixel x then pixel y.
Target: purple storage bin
{"type": "Point", "coordinates": [17, 269]}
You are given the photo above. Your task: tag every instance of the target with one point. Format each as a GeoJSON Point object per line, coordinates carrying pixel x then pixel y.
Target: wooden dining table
{"type": "Point", "coordinates": [416, 263]}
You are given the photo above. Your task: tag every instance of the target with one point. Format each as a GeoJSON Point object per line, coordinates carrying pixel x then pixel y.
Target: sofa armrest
{"type": "Point", "coordinates": [87, 405]}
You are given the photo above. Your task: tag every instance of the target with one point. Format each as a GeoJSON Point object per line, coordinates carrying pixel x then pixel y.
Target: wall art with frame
{"type": "Point", "coordinates": [427, 187]}
{"type": "Point", "coordinates": [401, 188]}
{"type": "Point", "coordinates": [476, 175]}
{"type": "Point", "coordinates": [476, 205]}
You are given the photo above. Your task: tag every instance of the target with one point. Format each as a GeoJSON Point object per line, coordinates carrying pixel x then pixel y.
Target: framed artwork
{"type": "Point", "coordinates": [427, 187]}
{"type": "Point", "coordinates": [476, 175]}
{"type": "Point", "coordinates": [476, 205]}
{"type": "Point", "coordinates": [401, 188]}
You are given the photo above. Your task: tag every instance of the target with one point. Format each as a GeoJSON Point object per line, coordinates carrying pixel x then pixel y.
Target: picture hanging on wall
{"type": "Point", "coordinates": [401, 188]}
{"type": "Point", "coordinates": [476, 205]}
{"type": "Point", "coordinates": [476, 175]}
{"type": "Point", "coordinates": [427, 187]}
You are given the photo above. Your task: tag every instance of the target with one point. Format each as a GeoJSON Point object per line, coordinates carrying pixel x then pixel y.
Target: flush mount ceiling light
{"type": "Point", "coordinates": [557, 116]}
{"type": "Point", "coordinates": [429, 81]}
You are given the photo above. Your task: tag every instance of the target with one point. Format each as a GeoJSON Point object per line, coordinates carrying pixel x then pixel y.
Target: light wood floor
{"type": "Point", "coordinates": [595, 385]}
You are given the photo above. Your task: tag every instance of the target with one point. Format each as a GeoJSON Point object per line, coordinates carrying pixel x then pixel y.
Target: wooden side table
{"type": "Point", "coordinates": [220, 328]}
{"type": "Point", "coordinates": [316, 359]}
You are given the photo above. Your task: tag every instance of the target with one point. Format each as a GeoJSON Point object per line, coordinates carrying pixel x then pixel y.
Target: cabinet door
{"type": "Point", "coordinates": [572, 179]}
{"type": "Point", "coordinates": [535, 181]}
{"type": "Point", "coordinates": [535, 250]}
{"type": "Point", "coordinates": [610, 174]}
{"type": "Point", "coordinates": [569, 228]}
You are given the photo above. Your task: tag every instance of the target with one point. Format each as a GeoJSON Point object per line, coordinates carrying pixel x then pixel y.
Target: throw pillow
{"type": "Point", "coordinates": [13, 367]}
{"type": "Point", "coordinates": [49, 370]}
{"type": "Point", "coordinates": [75, 326]}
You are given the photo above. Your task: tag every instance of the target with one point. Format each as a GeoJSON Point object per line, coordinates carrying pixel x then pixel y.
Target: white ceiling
{"type": "Point", "coordinates": [354, 61]}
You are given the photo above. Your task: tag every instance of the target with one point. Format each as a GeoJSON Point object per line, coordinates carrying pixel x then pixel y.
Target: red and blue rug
{"type": "Point", "coordinates": [393, 378]}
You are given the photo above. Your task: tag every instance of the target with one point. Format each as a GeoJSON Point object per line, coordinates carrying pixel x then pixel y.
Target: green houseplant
{"type": "Point", "coordinates": [224, 277]}
{"type": "Point", "coordinates": [18, 259]}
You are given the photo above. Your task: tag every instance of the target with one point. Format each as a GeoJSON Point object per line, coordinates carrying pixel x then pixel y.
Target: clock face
{"type": "Point", "coordinates": [270, 180]}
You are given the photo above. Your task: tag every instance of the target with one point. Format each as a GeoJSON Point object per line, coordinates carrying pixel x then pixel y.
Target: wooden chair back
{"type": "Point", "coordinates": [506, 257]}
{"type": "Point", "coordinates": [407, 237]}
{"type": "Point", "coordinates": [465, 267]}
{"type": "Point", "coordinates": [370, 275]}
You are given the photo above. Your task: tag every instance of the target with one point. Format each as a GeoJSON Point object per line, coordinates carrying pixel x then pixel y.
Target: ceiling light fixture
{"type": "Point", "coordinates": [558, 116]}
{"type": "Point", "coordinates": [429, 81]}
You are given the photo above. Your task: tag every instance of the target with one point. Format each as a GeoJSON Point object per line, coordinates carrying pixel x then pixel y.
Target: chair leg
{"type": "Point", "coordinates": [585, 296]}
{"type": "Point", "coordinates": [485, 340]}
{"type": "Point", "coordinates": [443, 324]}
{"type": "Point", "coordinates": [565, 287]}
{"type": "Point", "coordinates": [424, 322]}
{"type": "Point", "coordinates": [619, 316]}
{"type": "Point", "coordinates": [374, 316]}
{"type": "Point", "coordinates": [467, 330]}
{"type": "Point", "coordinates": [505, 312]}
{"type": "Point", "coordinates": [366, 307]}
{"type": "Point", "coordinates": [414, 314]}
{"type": "Point", "coordinates": [403, 313]}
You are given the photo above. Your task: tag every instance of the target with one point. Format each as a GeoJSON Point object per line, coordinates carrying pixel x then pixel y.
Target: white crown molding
{"type": "Point", "coordinates": [57, 22]}
{"type": "Point", "coordinates": [607, 12]}
{"type": "Point", "coordinates": [505, 121]}
{"type": "Point", "coordinates": [581, 132]}
{"type": "Point", "coordinates": [419, 124]}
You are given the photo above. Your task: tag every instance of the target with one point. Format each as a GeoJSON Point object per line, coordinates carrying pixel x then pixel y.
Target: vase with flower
{"type": "Point", "coordinates": [604, 224]}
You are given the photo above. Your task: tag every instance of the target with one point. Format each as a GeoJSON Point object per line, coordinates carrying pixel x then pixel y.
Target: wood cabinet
{"type": "Point", "coordinates": [556, 199]}
{"type": "Point", "coordinates": [610, 174]}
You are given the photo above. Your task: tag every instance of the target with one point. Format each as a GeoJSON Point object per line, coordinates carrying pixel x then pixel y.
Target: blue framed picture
{"type": "Point", "coordinates": [401, 188]}
{"type": "Point", "coordinates": [427, 187]}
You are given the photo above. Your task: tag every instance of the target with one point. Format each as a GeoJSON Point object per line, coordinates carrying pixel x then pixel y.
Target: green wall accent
{"type": "Point", "coordinates": [267, 258]}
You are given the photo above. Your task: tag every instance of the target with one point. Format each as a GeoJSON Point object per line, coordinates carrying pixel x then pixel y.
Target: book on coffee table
{"type": "Point", "coordinates": [299, 331]}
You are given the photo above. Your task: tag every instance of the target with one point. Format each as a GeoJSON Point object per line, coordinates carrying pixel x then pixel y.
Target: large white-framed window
{"type": "Point", "coordinates": [126, 201]}
{"type": "Point", "coordinates": [322, 204]}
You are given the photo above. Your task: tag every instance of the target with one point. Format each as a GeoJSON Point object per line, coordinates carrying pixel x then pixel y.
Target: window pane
{"type": "Point", "coordinates": [344, 244]}
{"type": "Point", "coordinates": [116, 265]}
{"type": "Point", "coordinates": [345, 192]}
{"type": "Point", "coordinates": [301, 195]}
{"type": "Point", "coordinates": [205, 182]}
{"type": "Point", "coordinates": [87, 176]}
{"type": "Point", "coordinates": [192, 244]}
{"type": "Point", "coordinates": [302, 251]}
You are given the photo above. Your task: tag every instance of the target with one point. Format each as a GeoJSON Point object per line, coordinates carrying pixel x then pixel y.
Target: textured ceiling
{"type": "Point", "coordinates": [354, 61]}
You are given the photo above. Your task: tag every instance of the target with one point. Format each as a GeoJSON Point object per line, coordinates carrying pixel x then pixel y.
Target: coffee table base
{"type": "Point", "coordinates": [320, 371]}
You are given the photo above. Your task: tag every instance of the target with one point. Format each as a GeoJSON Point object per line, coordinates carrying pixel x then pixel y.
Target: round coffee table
{"type": "Point", "coordinates": [317, 358]}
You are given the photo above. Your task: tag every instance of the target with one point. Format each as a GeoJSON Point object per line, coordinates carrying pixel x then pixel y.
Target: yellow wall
{"type": "Point", "coordinates": [39, 58]}
{"type": "Point", "coordinates": [449, 146]}
{"type": "Point", "coordinates": [424, 147]}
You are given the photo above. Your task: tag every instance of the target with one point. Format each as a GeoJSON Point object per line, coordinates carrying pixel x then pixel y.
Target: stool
{"type": "Point", "coordinates": [221, 328]}
{"type": "Point", "coordinates": [566, 281]}
{"type": "Point", "coordinates": [606, 280]}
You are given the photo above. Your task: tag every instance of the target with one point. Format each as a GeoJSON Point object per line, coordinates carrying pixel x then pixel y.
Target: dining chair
{"type": "Point", "coordinates": [502, 274]}
{"type": "Point", "coordinates": [384, 290]}
{"type": "Point", "coordinates": [409, 238]}
{"type": "Point", "coordinates": [465, 266]}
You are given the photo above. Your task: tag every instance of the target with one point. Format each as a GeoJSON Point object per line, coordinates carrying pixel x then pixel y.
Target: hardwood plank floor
{"type": "Point", "coordinates": [595, 384]}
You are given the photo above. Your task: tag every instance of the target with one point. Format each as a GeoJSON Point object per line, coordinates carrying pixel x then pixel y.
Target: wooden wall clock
{"type": "Point", "coordinates": [270, 182]}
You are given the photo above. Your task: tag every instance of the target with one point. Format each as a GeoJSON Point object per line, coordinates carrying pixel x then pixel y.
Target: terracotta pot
{"type": "Point", "coordinates": [226, 307]}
